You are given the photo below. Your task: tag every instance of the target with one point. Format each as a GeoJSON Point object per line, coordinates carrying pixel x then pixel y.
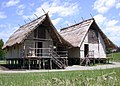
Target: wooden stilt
{"type": "Point", "coordinates": [50, 63]}
{"type": "Point", "coordinates": [43, 63]}
{"type": "Point", "coordinates": [12, 62]}
{"type": "Point", "coordinates": [8, 61]}
{"type": "Point", "coordinates": [29, 64]}
{"type": "Point", "coordinates": [99, 60]}
{"type": "Point", "coordinates": [93, 61]}
{"type": "Point", "coordinates": [32, 62]}
{"type": "Point", "coordinates": [35, 63]}
{"type": "Point", "coordinates": [23, 63]}
{"type": "Point", "coordinates": [15, 62]}
{"type": "Point", "coordinates": [66, 62]}
{"type": "Point", "coordinates": [39, 63]}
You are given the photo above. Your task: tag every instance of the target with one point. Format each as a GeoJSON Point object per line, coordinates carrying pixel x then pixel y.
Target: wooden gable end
{"type": "Point", "coordinates": [92, 36]}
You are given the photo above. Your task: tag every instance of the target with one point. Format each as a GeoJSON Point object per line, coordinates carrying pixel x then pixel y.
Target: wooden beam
{"type": "Point", "coordinates": [29, 63]}
{"type": "Point", "coordinates": [43, 63]}
{"type": "Point", "coordinates": [39, 39]}
{"type": "Point", "coordinates": [39, 63]}
{"type": "Point", "coordinates": [50, 63]}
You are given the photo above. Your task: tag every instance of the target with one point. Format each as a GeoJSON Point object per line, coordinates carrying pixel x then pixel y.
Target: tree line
{"type": "Point", "coordinates": [2, 52]}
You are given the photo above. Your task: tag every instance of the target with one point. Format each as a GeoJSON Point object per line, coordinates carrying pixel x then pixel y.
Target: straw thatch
{"type": "Point", "coordinates": [24, 31]}
{"type": "Point", "coordinates": [75, 34]}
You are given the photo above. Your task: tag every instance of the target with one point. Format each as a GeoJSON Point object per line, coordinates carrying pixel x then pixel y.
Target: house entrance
{"type": "Point", "coordinates": [86, 49]}
{"type": "Point", "coordinates": [39, 50]}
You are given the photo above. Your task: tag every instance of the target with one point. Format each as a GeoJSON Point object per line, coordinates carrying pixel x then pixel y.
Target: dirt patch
{"type": "Point", "coordinates": [3, 68]}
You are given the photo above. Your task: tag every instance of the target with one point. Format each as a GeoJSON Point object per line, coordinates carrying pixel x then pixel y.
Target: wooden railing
{"type": "Point", "coordinates": [43, 52]}
{"type": "Point", "coordinates": [56, 56]}
{"type": "Point", "coordinates": [56, 60]}
{"type": "Point", "coordinates": [62, 53]}
{"type": "Point", "coordinates": [39, 52]}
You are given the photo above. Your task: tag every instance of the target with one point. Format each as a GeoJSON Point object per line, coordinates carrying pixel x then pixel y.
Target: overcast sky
{"type": "Point", "coordinates": [62, 13]}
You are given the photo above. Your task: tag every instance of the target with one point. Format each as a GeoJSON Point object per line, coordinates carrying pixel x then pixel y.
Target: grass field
{"type": "Point", "coordinates": [115, 56]}
{"type": "Point", "coordinates": [2, 62]}
{"type": "Point", "coordinates": [108, 77]}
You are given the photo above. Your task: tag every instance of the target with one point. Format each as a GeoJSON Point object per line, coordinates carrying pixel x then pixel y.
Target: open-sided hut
{"type": "Point", "coordinates": [88, 41]}
{"type": "Point", "coordinates": [37, 44]}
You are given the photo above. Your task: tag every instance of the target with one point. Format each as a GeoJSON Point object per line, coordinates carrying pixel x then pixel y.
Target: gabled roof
{"type": "Point", "coordinates": [75, 34]}
{"type": "Point", "coordinates": [22, 33]}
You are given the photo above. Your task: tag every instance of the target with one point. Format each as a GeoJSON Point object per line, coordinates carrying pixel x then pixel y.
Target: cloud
{"type": "Point", "coordinates": [20, 9]}
{"type": "Point", "coordinates": [100, 19]}
{"type": "Point", "coordinates": [10, 3]}
{"type": "Point", "coordinates": [103, 6]}
{"type": "Point", "coordinates": [118, 5]}
{"type": "Point", "coordinates": [6, 30]}
{"type": "Point", "coordinates": [112, 23]}
{"type": "Point", "coordinates": [109, 27]}
{"type": "Point", "coordinates": [2, 15]}
{"type": "Point", "coordinates": [56, 21]}
{"type": "Point", "coordinates": [68, 23]}
{"type": "Point", "coordinates": [55, 7]}
{"type": "Point", "coordinates": [113, 33]}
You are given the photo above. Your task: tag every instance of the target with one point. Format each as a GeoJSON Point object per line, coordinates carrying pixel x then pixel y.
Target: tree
{"type": "Point", "coordinates": [2, 52]}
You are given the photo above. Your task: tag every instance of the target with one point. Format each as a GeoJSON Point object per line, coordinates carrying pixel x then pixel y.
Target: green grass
{"type": "Point", "coordinates": [108, 77]}
{"type": "Point", "coordinates": [115, 56]}
{"type": "Point", "coordinates": [2, 62]}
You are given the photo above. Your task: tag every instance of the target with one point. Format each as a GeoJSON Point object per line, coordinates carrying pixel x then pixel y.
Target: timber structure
{"type": "Point", "coordinates": [38, 44]}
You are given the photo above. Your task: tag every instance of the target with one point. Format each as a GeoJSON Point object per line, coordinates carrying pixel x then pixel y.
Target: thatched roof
{"type": "Point", "coordinates": [24, 31]}
{"type": "Point", "coordinates": [75, 34]}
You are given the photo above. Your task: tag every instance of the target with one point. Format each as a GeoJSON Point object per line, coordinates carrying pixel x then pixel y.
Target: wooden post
{"type": "Point", "coordinates": [12, 62]}
{"type": "Point", "coordinates": [36, 63]}
{"type": "Point", "coordinates": [32, 62]}
{"type": "Point", "coordinates": [50, 63]}
{"type": "Point", "coordinates": [39, 63]}
{"type": "Point", "coordinates": [80, 61]}
{"type": "Point", "coordinates": [43, 63]}
{"type": "Point", "coordinates": [99, 60]}
{"type": "Point", "coordinates": [23, 63]}
{"type": "Point", "coordinates": [66, 63]}
{"type": "Point", "coordinates": [15, 62]}
{"type": "Point", "coordinates": [29, 63]}
{"type": "Point", "coordinates": [93, 61]}
{"type": "Point", "coordinates": [8, 61]}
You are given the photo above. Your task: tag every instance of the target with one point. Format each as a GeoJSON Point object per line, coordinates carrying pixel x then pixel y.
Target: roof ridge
{"type": "Point", "coordinates": [33, 20]}
{"type": "Point", "coordinates": [77, 24]}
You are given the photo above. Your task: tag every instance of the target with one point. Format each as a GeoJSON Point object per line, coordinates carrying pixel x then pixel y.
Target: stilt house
{"type": "Point", "coordinates": [88, 41]}
{"type": "Point", "coordinates": [37, 44]}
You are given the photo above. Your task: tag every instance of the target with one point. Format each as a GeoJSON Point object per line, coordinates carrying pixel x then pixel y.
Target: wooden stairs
{"type": "Point", "coordinates": [58, 62]}
{"type": "Point", "coordinates": [87, 60]}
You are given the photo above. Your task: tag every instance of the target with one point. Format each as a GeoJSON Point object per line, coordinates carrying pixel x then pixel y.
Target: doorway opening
{"type": "Point", "coordinates": [39, 50]}
{"type": "Point", "coordinates": [86, 50]}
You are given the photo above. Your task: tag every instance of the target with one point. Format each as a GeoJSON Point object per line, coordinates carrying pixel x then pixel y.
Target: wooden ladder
{"type": "Point", "coordinates": [85, 60]}
{"type": "Point", "coordinates": [55, 59]}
